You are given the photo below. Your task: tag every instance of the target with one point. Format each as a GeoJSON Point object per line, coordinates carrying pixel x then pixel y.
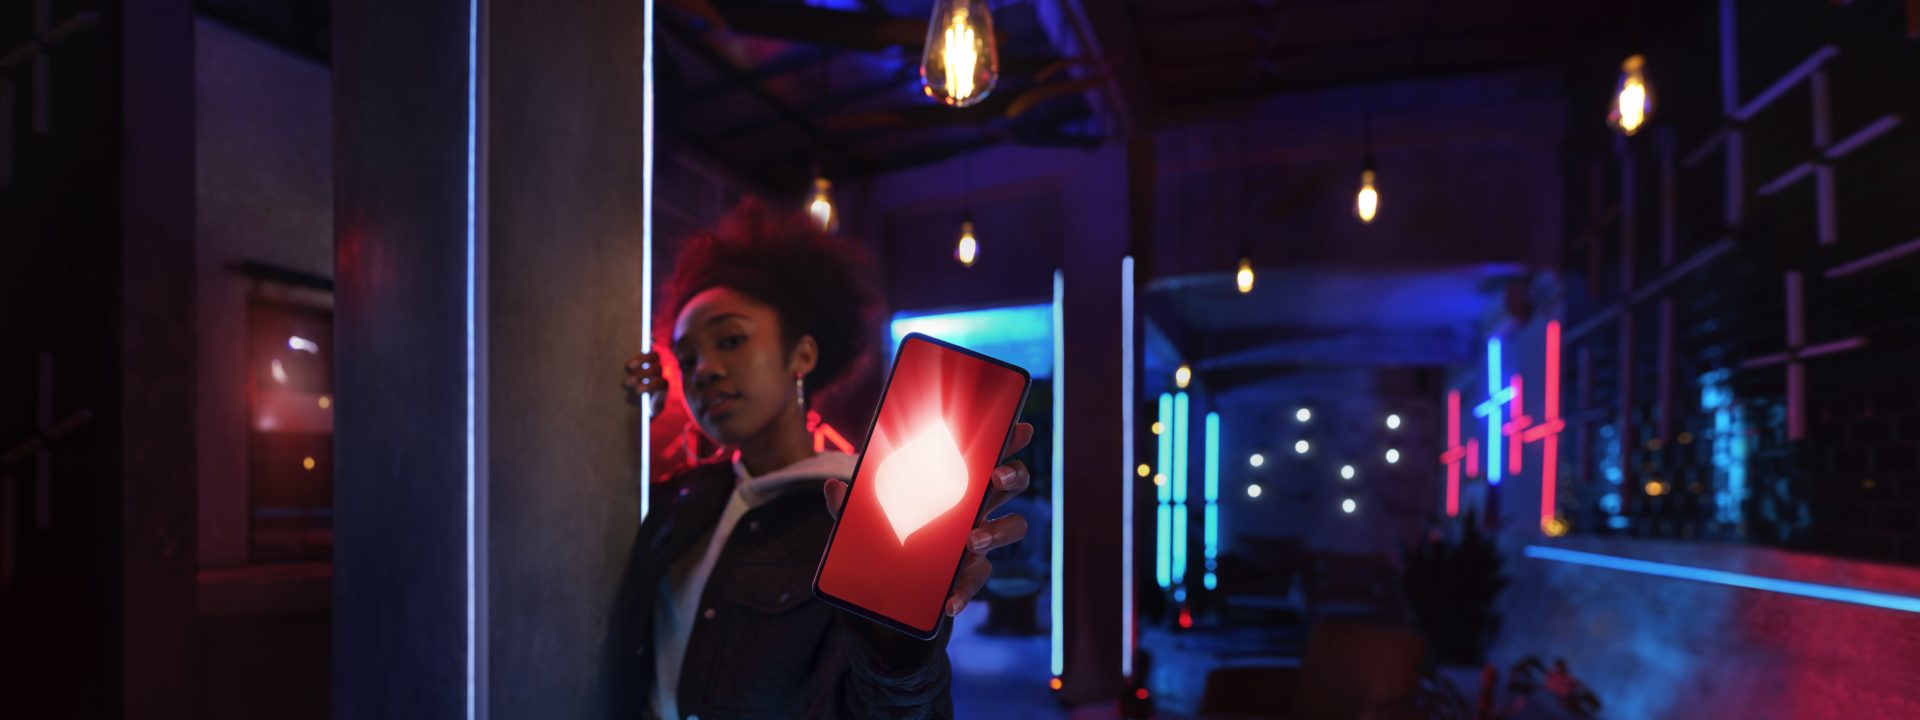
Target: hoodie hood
{"type": "Point", "coordinates": [756, 491]}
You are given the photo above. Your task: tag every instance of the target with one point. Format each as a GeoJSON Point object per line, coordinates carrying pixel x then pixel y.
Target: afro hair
{"type": "Point", "coordinates": [818, 283]}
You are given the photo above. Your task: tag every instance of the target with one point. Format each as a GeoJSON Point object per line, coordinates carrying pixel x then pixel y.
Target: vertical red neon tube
{"type": "Point", "coordinates": [1548, 431]}
{"type": "Point", "coordinates": [1550, 459]}
{"type": "Point", "coordinates": [1453, 455]}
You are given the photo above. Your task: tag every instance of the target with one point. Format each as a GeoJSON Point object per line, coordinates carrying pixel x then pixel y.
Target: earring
{"type": "Point", "coordinates": [800, 389]}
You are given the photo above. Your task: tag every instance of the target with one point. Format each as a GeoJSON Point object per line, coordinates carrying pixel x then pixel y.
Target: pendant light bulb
{"type": "Point", "coordinates": [968, 249]}
{"type": "Point", "coordinates": [962, 61]}
{"type": "Point", "coordinates": [1244, 277]}
{"type": "Point", "coordinates": [1632, 104]}
{"type": "Point", "coordinates": [820, 204]}
{"type": "Point", "coordinates": [1366, 203]}
{"type": "Point", "coordinates": [1183, 376]}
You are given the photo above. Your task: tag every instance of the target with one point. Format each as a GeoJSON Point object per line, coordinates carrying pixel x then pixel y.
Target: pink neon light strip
{"type": "Point", "coordinates": [1548, 431]}
{"type": "Point", "coordinates": [1454, 453]}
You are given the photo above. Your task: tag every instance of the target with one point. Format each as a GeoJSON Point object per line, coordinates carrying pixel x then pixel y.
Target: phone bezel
{"type": "Point", "coordinates": [1026, 387]}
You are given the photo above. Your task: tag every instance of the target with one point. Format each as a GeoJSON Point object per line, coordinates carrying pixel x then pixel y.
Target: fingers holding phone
{"type": "Point", "coordinates": [647, 382]}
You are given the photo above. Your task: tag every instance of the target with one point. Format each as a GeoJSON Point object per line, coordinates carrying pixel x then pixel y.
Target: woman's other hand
{"type": "Point", "coordinates": [1008, 480]}
{"type": "Point", "coordinates": [646, 381]}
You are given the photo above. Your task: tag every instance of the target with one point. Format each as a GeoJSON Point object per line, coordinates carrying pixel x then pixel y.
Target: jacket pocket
{"type": "Point", "coordinates": [767, 633]}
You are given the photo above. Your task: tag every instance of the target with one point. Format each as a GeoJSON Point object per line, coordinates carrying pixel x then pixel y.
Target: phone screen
{"type": "Point", "coordinates": [943, 422]}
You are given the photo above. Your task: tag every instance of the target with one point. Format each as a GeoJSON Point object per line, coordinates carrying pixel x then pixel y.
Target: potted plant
{"type": "Point", "coordinates": [1450, 589]}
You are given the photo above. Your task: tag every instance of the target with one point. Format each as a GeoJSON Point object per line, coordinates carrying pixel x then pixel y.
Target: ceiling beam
{"type": "Point", "coordinates": [1110, 34]}
{"type": "Point", "coordinates": [854, 96]}
{"type": "Point", "coordinates": [852, 30]}
{"type": "Point", "coordinates": [706, 53]}
{"type": "Point", "coordinates": [1481, 35]}
{"type": "Point", "coordinates": [798, 58]}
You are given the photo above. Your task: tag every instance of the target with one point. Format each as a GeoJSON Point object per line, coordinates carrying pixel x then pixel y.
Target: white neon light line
{"type": "Point", "coordinates": [1126, 466]}
{"type": "Point", "coordinates": [1836, 593]}
{"type": "Point", "coordinates": [472, 278]}
{"type": "Point", "coordinates": [646, 245]}
{"type": "Point", "coordinates": [1057, 610]}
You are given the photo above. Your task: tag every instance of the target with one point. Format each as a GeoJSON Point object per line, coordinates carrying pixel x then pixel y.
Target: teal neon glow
{"type": "Point", "coordinates": [1210, 534]}
{"type": "Point", "coordinates": [1019, 334]}
{"type": "Point", "coordinates": [1056, 641]}
{"type": "Point", "coordinates": [1836, 593]}
{"type": "Point", "coordinates": [1181, 442]}
{"type": "Point", "coordinates": [1163, 491]}
{"type": "Point", "coordinates": [1162, 571]}
{"type": "Point", "coordinates": [1497, 395]}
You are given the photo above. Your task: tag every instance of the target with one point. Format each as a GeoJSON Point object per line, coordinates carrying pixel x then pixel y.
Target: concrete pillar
{"type": "Point", "coordinates": [1096, 240]}
{"type": "Point", "coordinates": [510, 403]}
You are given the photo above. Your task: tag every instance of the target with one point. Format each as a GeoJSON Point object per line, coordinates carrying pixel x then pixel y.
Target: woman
{"type": "Point", "coordinates": [719, 609]}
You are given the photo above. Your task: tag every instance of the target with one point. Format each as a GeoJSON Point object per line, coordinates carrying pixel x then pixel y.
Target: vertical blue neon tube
{"type": "Point", "coordinates": [1163, 490]}
{"type": "Point", "coordinates": [1056, 611]}
{"type": "Point", "coordinates": [1494, 393]}
{"type": "Point", "coordinates": [475, 586]}
{"type": "Point", "coordinates": [1181, 444]}
{"type": "Point", "coordinates": [1127, 405]}
{"type": "Point", "coordinates": [1210, 537]}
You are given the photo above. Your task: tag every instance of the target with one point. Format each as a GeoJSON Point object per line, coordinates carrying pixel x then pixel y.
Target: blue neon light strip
{"type": "Point", "coordinates": [1126, 466]}
{"type": "Point", "coordinates": [1856, 596]}
{"type": "Point", "coordinates": [1210, 536]}
{"type": "Point", "coordinates": [1181, 442]}
{"type": "Point", "coordinates": [1163, 540]}
{"type": "Point", "coordinates": [1163, 491]}
{"type": "Point", "coordinates": [646, 245]}
{"type": "Point", "coordinates": [473, 251]}
{"type": "Point", "coordinates": [1497, 395]}
{"type": "Point", "coordinates": [1057, 640]}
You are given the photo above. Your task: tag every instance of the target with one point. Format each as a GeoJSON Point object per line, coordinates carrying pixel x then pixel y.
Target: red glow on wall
{"type": "Point", "coordinates": [1186, 618]}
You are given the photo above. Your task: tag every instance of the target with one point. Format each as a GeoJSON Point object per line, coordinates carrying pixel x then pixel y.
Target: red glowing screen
{"type": "Point", "coordinates": [940, 430]}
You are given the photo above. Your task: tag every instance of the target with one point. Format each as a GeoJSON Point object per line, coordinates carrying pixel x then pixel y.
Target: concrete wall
{"type": "Point", "coordinates": [264, 149]}
{"type": "Point", "coordinates": [401, 584]}
{"type": "Point", "coordinates": [563, 314]}
{"type": "Point", "coordinates": [1301, 494]}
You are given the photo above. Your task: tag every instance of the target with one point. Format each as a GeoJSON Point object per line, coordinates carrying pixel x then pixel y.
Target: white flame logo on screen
{"type": "Point", "coordinates": [921, 480]}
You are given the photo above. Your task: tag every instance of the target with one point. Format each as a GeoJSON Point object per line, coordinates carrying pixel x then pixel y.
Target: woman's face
{"type": "Point", "coordinates": [737, 374]}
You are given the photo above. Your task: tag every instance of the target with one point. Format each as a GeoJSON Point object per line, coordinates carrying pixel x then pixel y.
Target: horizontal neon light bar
{"type": "Point", "coordinates": [1019, 334]}
{"type": "Point", "coordinates": [1817, 591]}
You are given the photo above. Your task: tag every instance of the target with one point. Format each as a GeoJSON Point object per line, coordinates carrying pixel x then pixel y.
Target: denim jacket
{"type": "Point", "coordinates": [762, 645]}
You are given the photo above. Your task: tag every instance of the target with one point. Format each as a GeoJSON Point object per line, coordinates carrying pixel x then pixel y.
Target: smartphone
{"type": "Point", "coordinates": [942, 426]}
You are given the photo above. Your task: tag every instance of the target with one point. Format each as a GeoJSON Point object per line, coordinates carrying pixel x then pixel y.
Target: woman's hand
{"type": "Point", "coordinates": [645, 380]}
{"type": "Point", "coordinates": [1008, 480]}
